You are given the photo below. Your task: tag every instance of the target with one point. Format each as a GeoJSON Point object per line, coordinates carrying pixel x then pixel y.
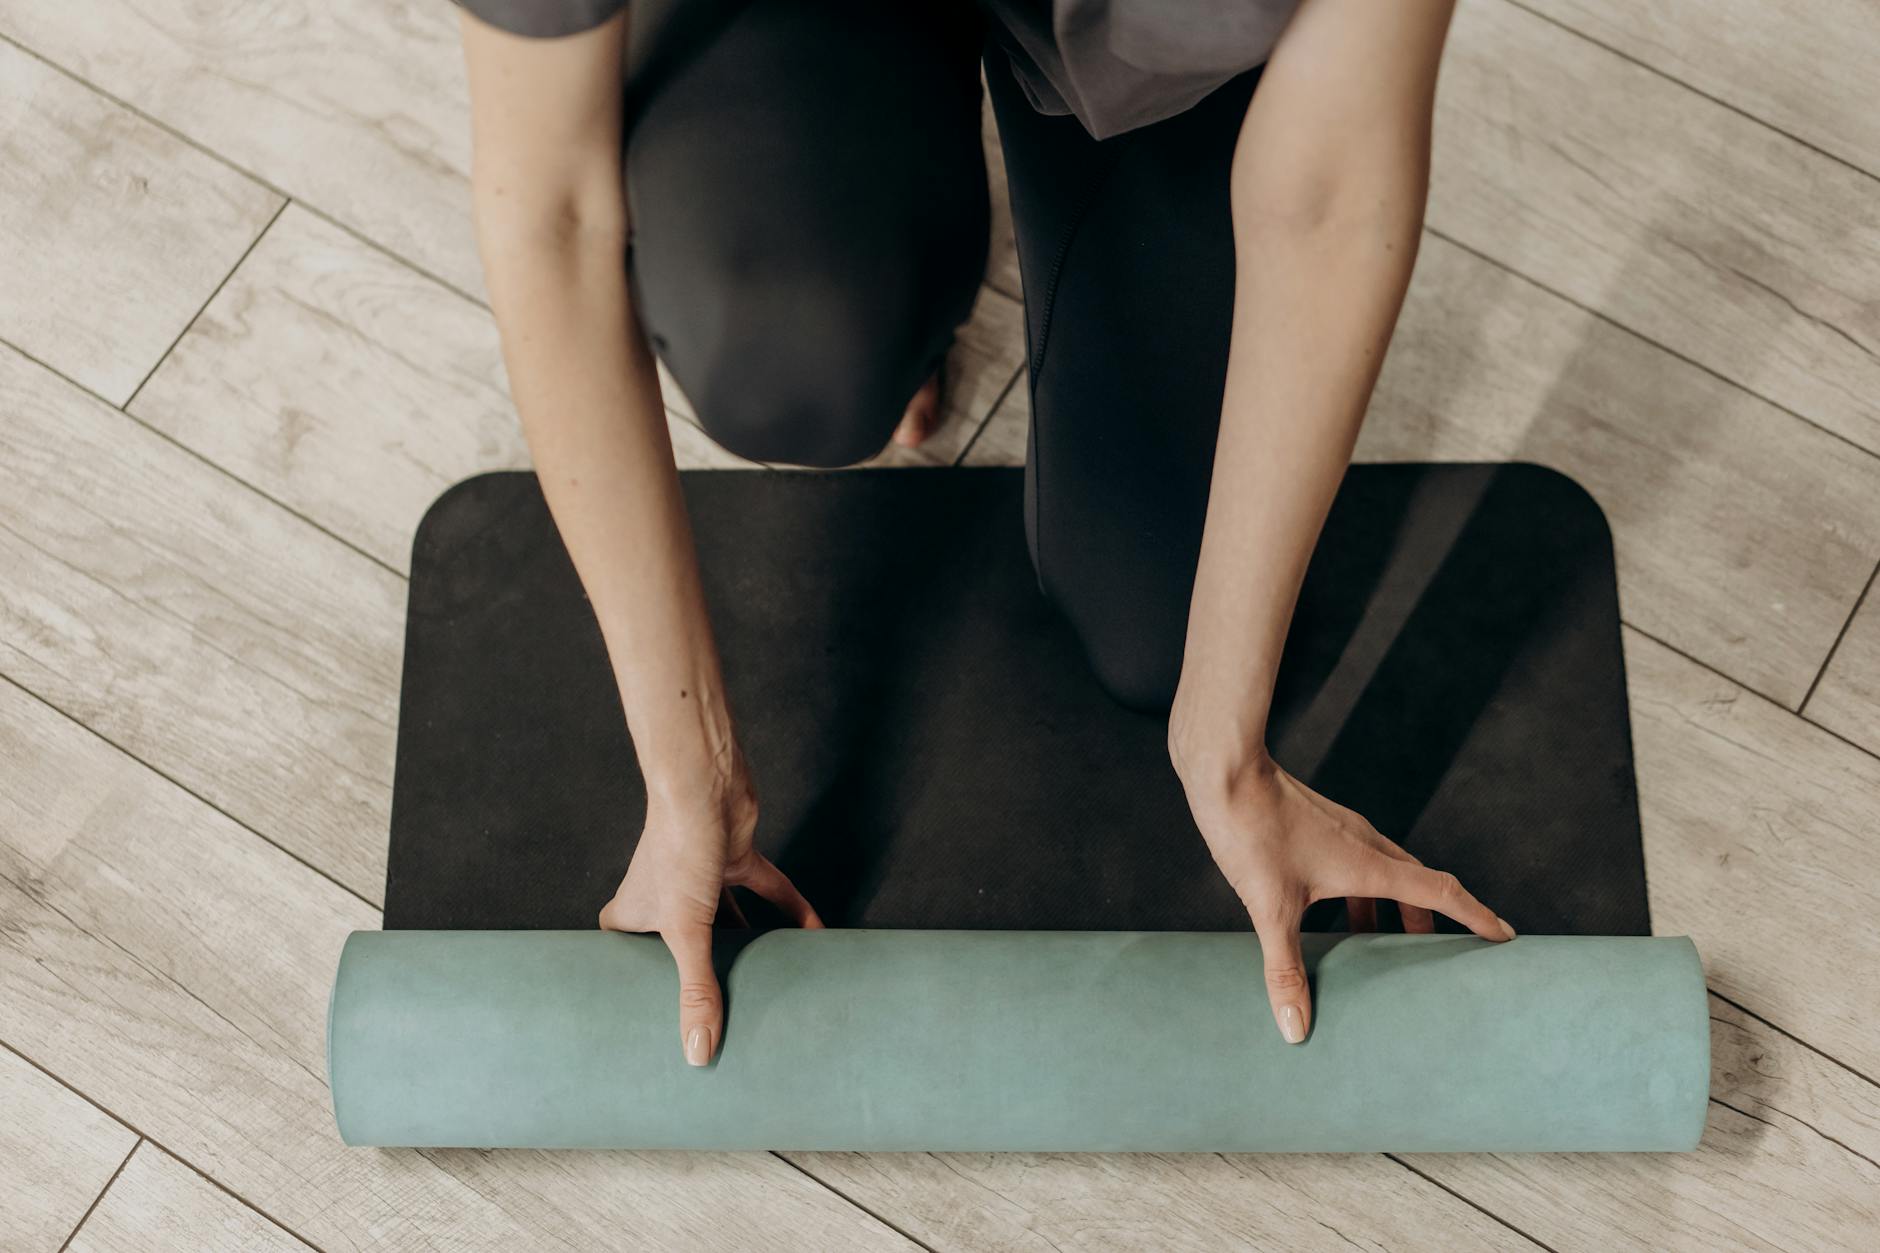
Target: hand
{"type": "Point", "coordinates": [1283, 846]}
{"type": "Point", "coordinates": [690, 855]}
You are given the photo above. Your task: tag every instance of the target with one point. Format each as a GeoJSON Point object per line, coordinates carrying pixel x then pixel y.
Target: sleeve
{"type": "Point", "coordinates": [543, 19]}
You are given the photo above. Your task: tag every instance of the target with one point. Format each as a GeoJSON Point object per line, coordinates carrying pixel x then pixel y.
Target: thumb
{"type": "Point", "coordinates": [701, 1007]}
{"type": "Point", "coordinates": [1286, 986]}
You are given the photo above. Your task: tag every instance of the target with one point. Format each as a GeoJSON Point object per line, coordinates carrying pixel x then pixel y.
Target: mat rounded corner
{"type": "Point", "coordinates": [1560, 495]}
{"type": "Point", "coordinates": [435, 532]}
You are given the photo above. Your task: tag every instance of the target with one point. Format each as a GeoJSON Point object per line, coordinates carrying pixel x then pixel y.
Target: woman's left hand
{"type": "Point", "coordinates": [1283, 846]}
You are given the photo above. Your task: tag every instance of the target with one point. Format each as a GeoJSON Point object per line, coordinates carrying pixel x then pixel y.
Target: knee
{"type": "Point", "coordinates": [1141, 676]}
{"type": "Point", "coordinates": [801, 372]}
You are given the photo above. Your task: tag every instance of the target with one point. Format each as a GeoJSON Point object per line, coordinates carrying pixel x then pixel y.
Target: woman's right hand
{"type": "Point", "coordinates": [691, 851]}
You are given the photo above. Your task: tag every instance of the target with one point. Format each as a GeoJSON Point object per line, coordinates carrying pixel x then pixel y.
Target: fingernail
{"type": "Point", "coordinates": [1292, 1025]}
{"type": "Point", "coordinates": [1507, 932]}
{"type": "Point", "coordinates": [698, 1046]}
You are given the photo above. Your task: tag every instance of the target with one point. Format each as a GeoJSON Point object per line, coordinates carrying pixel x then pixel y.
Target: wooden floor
{"type": "Point", "coordinates": [243, 344]}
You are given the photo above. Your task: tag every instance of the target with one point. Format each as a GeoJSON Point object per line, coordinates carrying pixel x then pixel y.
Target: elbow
{"type": "Point", "coordinates": [570, 221]}
{"type": "Point", "coordinates": [1337, 195]}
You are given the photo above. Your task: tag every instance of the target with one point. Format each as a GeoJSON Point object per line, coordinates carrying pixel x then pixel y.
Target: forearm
{"type": "Point", "coordinates": [1326, 227]}
{"type": "Point", "coordinates": [584, 383]}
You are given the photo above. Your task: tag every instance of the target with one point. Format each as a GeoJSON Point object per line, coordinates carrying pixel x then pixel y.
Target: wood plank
{"type": "Point", "coordinates": [159, 1203]}
{"type": "Point", "coordinates": [1848, 699]}
{"type": "Point", "coordinates": [1001, 441]}
{"type": "Point", "coordinates": [116, 231]}
{"type": "Point", "coordinates": [355, 390]}
{"type": "Point", "coordinates": [201, 627]}
{"type": "Point", "coordinates": [1790, 1160]}
{"type": "Point", "coordinates": [340, 382]}
{"type": "Point", "coordinates": [1002, 256]}
{"type": "Point", "coordinates": [176, 968]}
{"type": "Point", "coordinates": [357, 107]}
{"type": "Point", "coordinates": [1744, 535]}
{"type": "Point", "coordinates": [1185, 1201]}
{"type": "Point", "coordinates": [57, 1152]}
{"type": "Point", "coordinates": [1810, 74]}
{"type": "Point", "coordinates": [1759, 844]}
{"type": "Point", "coordinates": [1678, 218]}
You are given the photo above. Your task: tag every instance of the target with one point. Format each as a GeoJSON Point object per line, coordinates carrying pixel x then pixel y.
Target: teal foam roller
{"type": "Point", "coordinates": [1005, 1040]}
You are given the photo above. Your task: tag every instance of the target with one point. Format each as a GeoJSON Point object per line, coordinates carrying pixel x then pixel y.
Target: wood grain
{"type": "Point", "coordinates": [233, 646]}
{"type": "Point", "coordinates": [1001, 441]}
{"type": "Point", "coordinates": [1759, 844]}
{"type": "Point", "coordinates": [116, 231]}
{"type": "Point", "coordinates": [1744, 535]}
{"type": "Point", "coordinates": [57, 1151]}
{"type": "Point", "coordinates": [1682, 220]}
{"type": "Point", "coordinates": [341, 383]}
{"type": "Point", "coordinates": [355, 106]}
{"type": "Point", "coordinates": [1808, 72]}
{"type": "Point", "coordinates": [355, 390]}
{"type": "Point", "coordinates": [1848, 699]}
{"type": "Point", "coordinates": [1186, 1201]}
{"type": "Point", "coordinates": [1002, 256]}
{"type": "Point", "coordinates": [176, 968]}
{"type": "Point", "coordinates": [159, 1203]}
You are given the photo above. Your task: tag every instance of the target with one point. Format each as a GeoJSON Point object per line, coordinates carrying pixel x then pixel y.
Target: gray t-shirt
{"type": "Point", "coordinates": [1115, 64]}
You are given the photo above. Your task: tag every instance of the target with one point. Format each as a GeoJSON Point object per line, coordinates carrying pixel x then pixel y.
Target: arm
{"type": "Point", "coordinates": [551, 223]}
{"type": "Point", "coordinates": [1329, 180]}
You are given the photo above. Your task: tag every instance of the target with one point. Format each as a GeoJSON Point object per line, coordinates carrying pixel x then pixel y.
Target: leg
{"type": "Point", "coordinates": [1127, 253]}
{"type": "Point", "coordinates": [808, 204]}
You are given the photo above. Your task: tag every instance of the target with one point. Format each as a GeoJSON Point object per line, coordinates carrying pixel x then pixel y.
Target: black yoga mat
{"type": "Point", "coordinates": [930, 748]}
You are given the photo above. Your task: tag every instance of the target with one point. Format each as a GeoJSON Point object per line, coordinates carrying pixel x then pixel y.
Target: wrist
{"type": "Point", "coordinates": [689, 755]}
{"type": "Point", "coordinates": [1216, 750]}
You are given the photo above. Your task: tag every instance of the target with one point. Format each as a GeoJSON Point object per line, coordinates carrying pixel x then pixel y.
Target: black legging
{"type": "Point", "coordinates": [808, 199]}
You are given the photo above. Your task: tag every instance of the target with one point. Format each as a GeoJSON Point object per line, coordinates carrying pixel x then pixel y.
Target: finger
{"type": "Point", "coordinates": [1416, 919]}
{"type": "Point", "coordinates": [773, 885]}
{"type": "Point", "coordinates": [1360, 914]}
{"type": "Point", "coordinates": [1286, 987]}
{"type": "Point", "coordinates": [701, 1008]}
{"type": "Point", "coordinates": [1438, 890]}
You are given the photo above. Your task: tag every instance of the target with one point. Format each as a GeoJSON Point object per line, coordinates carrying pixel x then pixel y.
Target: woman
{"type": "Point", "coordinates": [786, 200]}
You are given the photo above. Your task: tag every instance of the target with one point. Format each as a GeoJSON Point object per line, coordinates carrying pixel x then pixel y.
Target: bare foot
{"type": "Point", "coordinates": [922, 417]}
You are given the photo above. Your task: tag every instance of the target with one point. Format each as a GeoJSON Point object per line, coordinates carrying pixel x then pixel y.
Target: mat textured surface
{"type": "Point", "coordinates": [931, 749]}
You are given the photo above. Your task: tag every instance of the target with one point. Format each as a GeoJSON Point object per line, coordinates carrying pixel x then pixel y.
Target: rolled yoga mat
{"type": "Point", "coordinates": [1044, 1041]}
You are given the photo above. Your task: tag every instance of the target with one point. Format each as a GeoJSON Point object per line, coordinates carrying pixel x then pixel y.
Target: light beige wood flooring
{"type": "Point", "coordinates": [243, 344]}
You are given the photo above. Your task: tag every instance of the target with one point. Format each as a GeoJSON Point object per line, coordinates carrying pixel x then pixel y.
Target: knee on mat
{"type": "Point", "coordinates": [808, 379]}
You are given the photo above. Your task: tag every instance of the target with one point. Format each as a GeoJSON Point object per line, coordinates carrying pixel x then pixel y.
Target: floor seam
{"type": "Point", "coordinates": [1697, 91]}
{"type": "Point", "coordinates": [144, 1137]}
{"type": "Point", "coordinates": [851, 1201]}
{"type": "Point", "coordinates": [96, 1200]}
{"type": "Point", "coordinates": [180, 786]}
{"type": "Point", "coordinates": [1841, 635]}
